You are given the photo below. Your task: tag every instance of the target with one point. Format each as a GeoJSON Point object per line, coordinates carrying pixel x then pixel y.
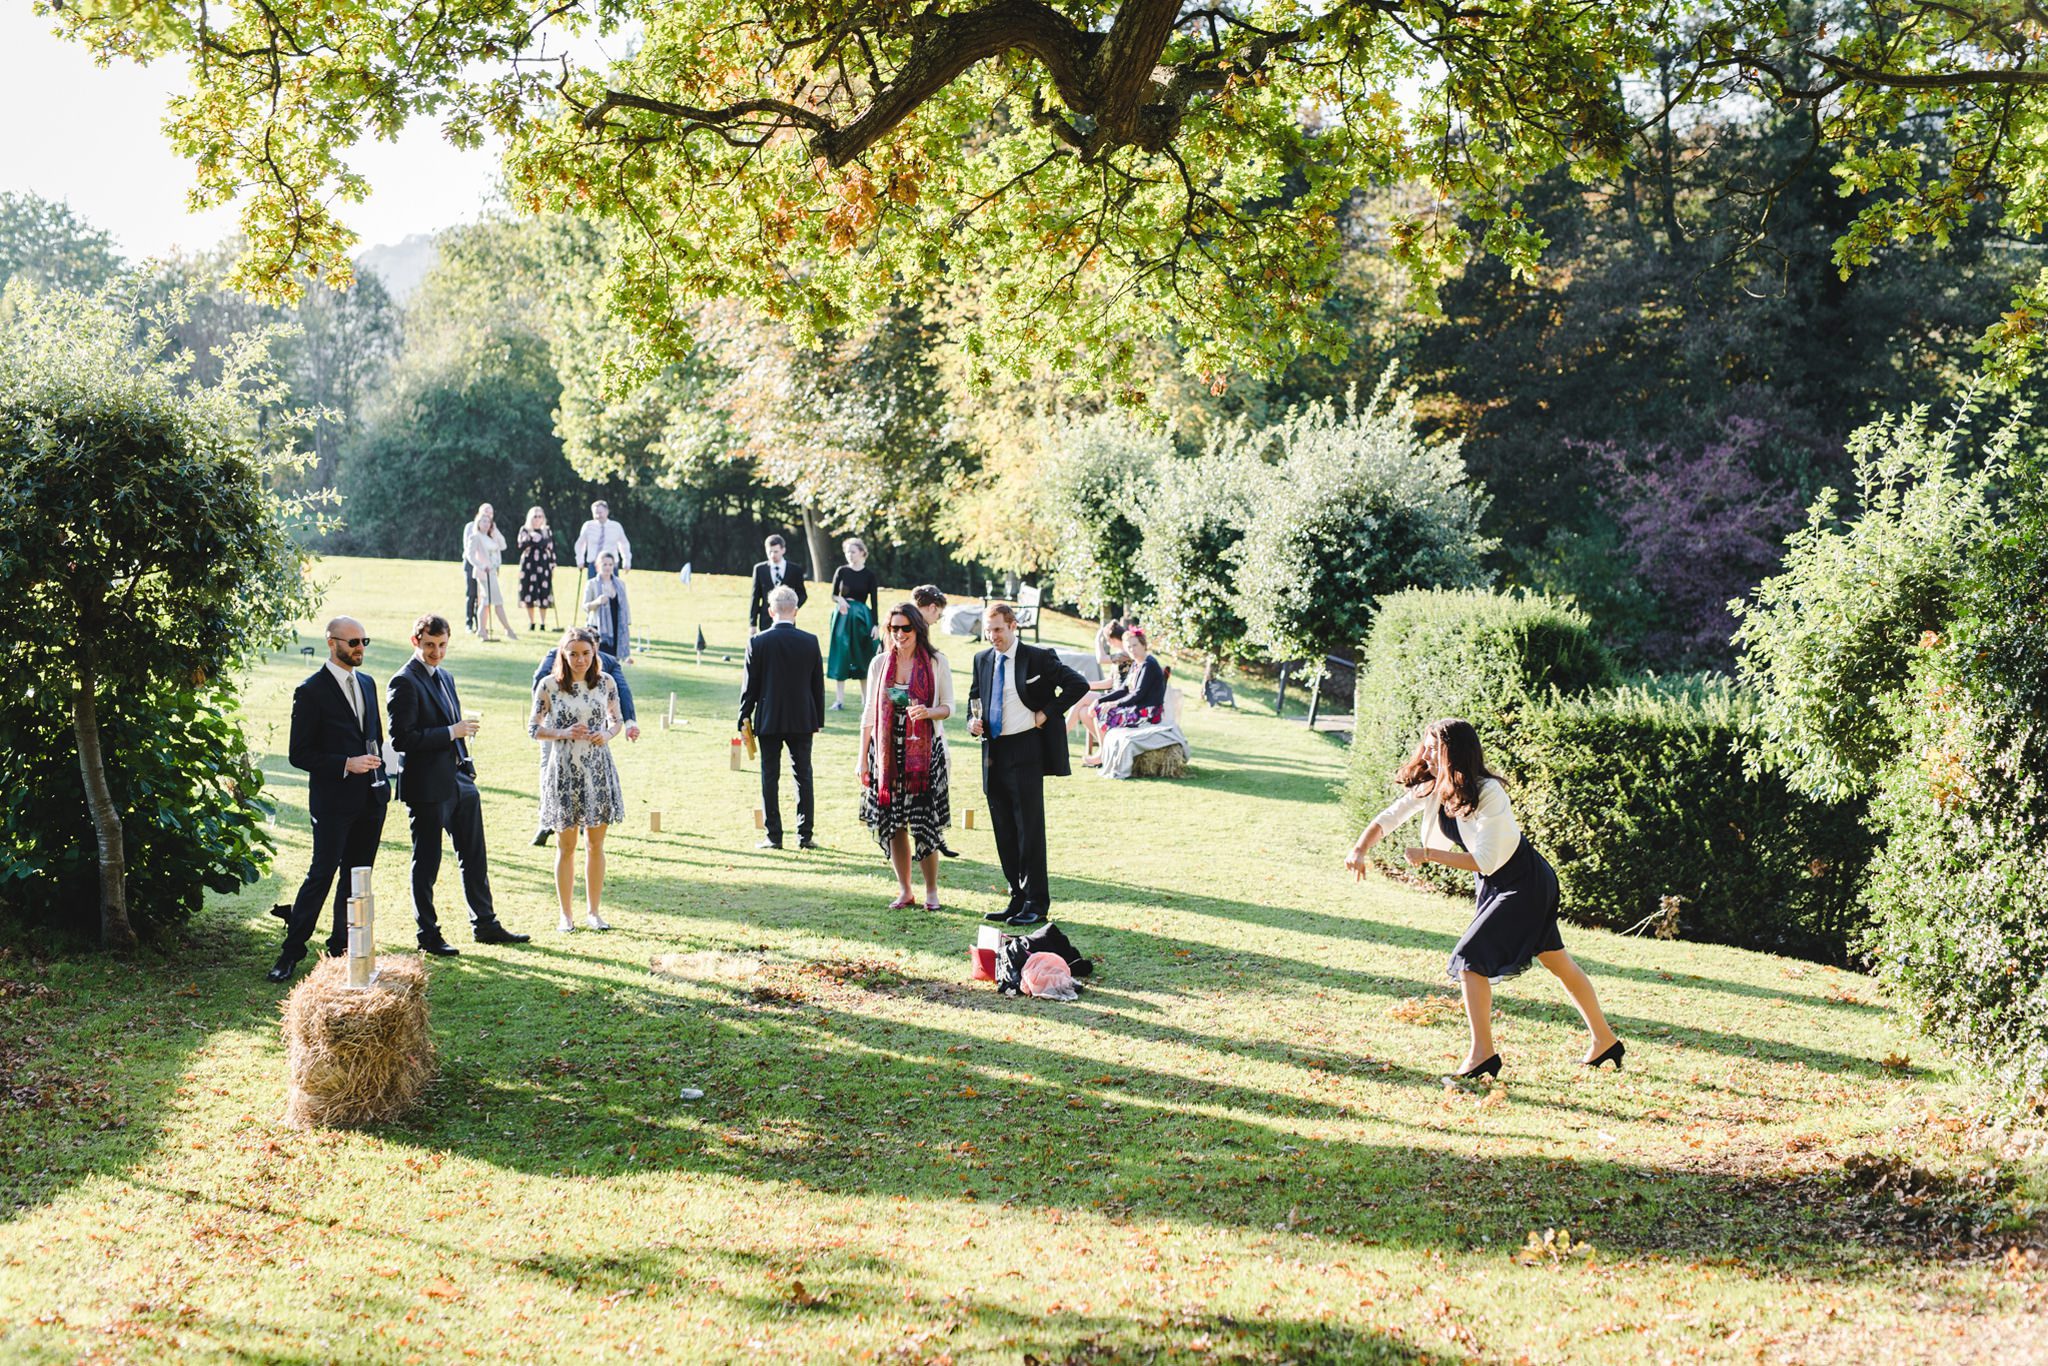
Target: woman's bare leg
{"type": "Point", "coordinates": [1580, 988]}
{"type": "Point", "coordinates": [899, 859]}
{"type": "Point", "coordinates": [593, 876]}
{"type": "Point", "coordinates": [565, 872]}
{"type": "Point", "coordinates": [931, 878]}
{"type": "Point", "coordinates": [1478, 1018]}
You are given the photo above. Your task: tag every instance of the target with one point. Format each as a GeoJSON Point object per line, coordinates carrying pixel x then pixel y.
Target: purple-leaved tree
{"type": "Point", "coordinates": [1701, 527]}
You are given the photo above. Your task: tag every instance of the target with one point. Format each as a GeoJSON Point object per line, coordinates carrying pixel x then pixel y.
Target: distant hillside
{"type": "Point", "coordinates": [401, 267]}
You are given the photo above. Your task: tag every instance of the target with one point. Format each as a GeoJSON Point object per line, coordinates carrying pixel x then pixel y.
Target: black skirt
{"type": "Point", "coordinates": [925, 815]}
{"type": "Point", "coordinates": [1515, 917]}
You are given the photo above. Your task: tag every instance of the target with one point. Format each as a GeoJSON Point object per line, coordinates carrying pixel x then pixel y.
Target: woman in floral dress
{"type": "Point", "coordinates": [575, 716]}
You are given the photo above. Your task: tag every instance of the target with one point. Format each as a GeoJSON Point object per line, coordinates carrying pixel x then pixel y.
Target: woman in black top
{"type": "Point", "coordinates": [1141, 701]}
{"type": "Point", "coordinates": [856, 621]}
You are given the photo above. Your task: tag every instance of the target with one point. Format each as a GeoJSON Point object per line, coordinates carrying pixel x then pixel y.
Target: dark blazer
{"type": "Point", "coordinates": [325, 737]}
{"type": "Point", "coordinates": [782, 687]}
{"type": "Point", "coordinates": [608, 665]}
{"type": "Point", "coordinates": [758, 618]}
{"type": "Point", "coordinates": [1046, 685]}
{"type": "Point", "coordinates": [1146, 687]}
{"type": "Point", "coordinates": [420, 717]}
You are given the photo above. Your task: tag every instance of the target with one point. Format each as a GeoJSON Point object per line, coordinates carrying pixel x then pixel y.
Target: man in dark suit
{"type": "Point", "coordinates": [782, 690]}
{"type": "Point", "coordinates": [337, 737]}
{"type": "Point", "coordinates": [1024, 693]}
{"type": "Point", "coordinates": [438, 786]}
{"type": "Point", "coordinates": [609, 664]}
{"type": "Point", "coordinates": [771, 573]}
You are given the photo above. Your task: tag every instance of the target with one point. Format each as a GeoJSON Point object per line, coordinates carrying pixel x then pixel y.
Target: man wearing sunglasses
{"type": "Point", "coordinates": [337, 737]}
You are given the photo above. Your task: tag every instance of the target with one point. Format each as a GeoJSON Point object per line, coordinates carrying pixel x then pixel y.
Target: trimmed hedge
{"type": "Point", "coordinates": [1487, 657]}
{"type": "Point", "coordinates": [1639, 793]}
{"type": "Point", "coordinates": [1632, 793]}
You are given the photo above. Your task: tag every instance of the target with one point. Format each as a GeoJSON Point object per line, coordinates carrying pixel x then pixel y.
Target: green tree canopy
{"type": "Point", "coordinates": [1355, 505]}
{"type": "Point", "coordinates": [44, 241]}
{"type": "Point", "coordinates": [139, 537]}
{"type": "Point", "coordinates": [1108, 170]}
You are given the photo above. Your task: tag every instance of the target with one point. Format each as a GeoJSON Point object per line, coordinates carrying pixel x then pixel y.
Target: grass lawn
{"type": "Point", "coordinates": [1233, 1148]}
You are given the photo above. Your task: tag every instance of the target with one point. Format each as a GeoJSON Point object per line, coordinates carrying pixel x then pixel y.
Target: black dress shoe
{"type": "Point", "coordinates": [285, 966]}
{"type": "Point", "coordinates": [334, 950]}
{"type": "Point", "coordinates": [949, 853]}
{"type": "Point", "coordinates": [495, 933]}
{"type": "Point", "coordinates": [1027, 915]}
{"type": "Point", "coordinates": [540, 838]}
{"type": "Point", "coordinates": [1001, 917]}
{"type": "Point", "coordinates": [440, 948]}
{"type": "Point", "coordinates": [769, 844]}
{"type": "Point", "coordinates": [806, 842]}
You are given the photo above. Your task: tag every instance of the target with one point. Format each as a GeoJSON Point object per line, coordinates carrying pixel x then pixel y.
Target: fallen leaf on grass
{"type": "Point", "coordinates": [441, 1288]}
{"type": "Point", "coordinates": [1898, 1064]}
{"type": "Point", "coordinates": [1425, 1010]}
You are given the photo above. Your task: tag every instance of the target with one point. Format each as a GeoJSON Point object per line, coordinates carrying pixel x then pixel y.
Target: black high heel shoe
{"type": "Point", "coordinates": [1613, 1055]}
{"type": "Point", "coordinates": [1489, 1068]}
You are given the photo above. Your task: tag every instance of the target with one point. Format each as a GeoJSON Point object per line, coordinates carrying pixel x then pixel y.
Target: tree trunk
{"type": "Point", "coordinates": [116, 934]}
{"type": "Point", "coordinates": [820, 546]}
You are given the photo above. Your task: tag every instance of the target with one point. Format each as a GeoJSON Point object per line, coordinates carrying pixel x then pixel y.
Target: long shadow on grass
{"type": "Point", "coordinates": [824, 1098]}
{"type": "Point", "coordinates": [93, 1050]}
{"type": "Point", "coordinates": [1356, 927]}
{"type": "Point", "coordinates": [1140, 958]}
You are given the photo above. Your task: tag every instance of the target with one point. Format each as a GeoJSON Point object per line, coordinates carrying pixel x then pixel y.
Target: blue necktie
{"type": "Point", "coordinates": [995, 705]}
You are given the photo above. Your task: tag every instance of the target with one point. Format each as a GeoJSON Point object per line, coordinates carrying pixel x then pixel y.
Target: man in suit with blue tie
{"type": "Point", "coordinates": [338, 739]}
{"type": "Point", "coordinates": [437, 783]}
{"type": "Point", "coordinates": [1019, 701]}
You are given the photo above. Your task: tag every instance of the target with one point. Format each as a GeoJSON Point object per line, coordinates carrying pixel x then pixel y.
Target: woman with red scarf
{"type": "Point", "coordinates": [903, 768]}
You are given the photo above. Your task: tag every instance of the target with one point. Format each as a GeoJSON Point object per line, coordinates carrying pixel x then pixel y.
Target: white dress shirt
{"type": "Point", "coordinates": [603, 538]}
{"type": "Point", "coordinates": [1490, 833]}
{"type": "Point", "coordinates": [1017, 718]}
{"type": "Point", "coordinates": [349, 688]}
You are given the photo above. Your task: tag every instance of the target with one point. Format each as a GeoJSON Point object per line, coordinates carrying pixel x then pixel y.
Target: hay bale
{"type": "Point", "coordinates": [357, 1056]}
{"type": "Point", "coordinates": [1170, 761]}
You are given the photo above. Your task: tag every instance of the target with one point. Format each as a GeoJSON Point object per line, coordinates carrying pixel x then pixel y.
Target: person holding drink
{"type": "Point", "coordinates": [337, 739]}
{"type": "Point", "coordinates": [903, 768]}
{"type": "Point", "coordinates": [575, 716]}
{"type": "Point", "coordinates": [438, 786]}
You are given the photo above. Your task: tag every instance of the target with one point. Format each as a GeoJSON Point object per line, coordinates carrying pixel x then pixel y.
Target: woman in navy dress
{"type": "Point", "coordinates": [1468, 824]}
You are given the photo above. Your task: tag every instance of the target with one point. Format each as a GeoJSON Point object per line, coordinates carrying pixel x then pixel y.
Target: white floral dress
{"type": "Point", "coordinates": [579, 783]}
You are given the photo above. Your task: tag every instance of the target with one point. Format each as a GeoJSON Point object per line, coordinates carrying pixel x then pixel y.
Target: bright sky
{"type": "Point", "coordinates": [97, 142]}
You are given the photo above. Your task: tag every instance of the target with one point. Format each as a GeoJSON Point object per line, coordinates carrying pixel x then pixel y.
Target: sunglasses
{"type": "Point", "coordinates": [353, 642]}
{"type": "Point", "coordinates": [902, 630]}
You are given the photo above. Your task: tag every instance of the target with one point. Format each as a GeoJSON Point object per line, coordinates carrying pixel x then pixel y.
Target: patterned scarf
{"type": "Point", "coordinates": [917, 735]}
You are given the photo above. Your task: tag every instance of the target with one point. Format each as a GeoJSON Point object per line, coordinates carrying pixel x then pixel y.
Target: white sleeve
{"type": "Point", "coordinates": [1490, 833]}
{"type": "Point", "coordinates": [1399, 813]}
{"type": "Point", "coordinates": [942, 686]}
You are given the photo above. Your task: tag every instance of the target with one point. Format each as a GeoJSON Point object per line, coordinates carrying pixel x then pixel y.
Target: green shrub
{"type": "Point", "coordinates": [1355, 503]}
{"type": "Point", "coordinates": [1639, 793]}
{"type": "Point", "coordinates": [1827, 644]}
{"type": "Point", "coordinates": [1955, 893]}
{"type": "Point", "coordinates": [1484, 656]}
{"type": "Point", "coordinates": [188, 790]}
